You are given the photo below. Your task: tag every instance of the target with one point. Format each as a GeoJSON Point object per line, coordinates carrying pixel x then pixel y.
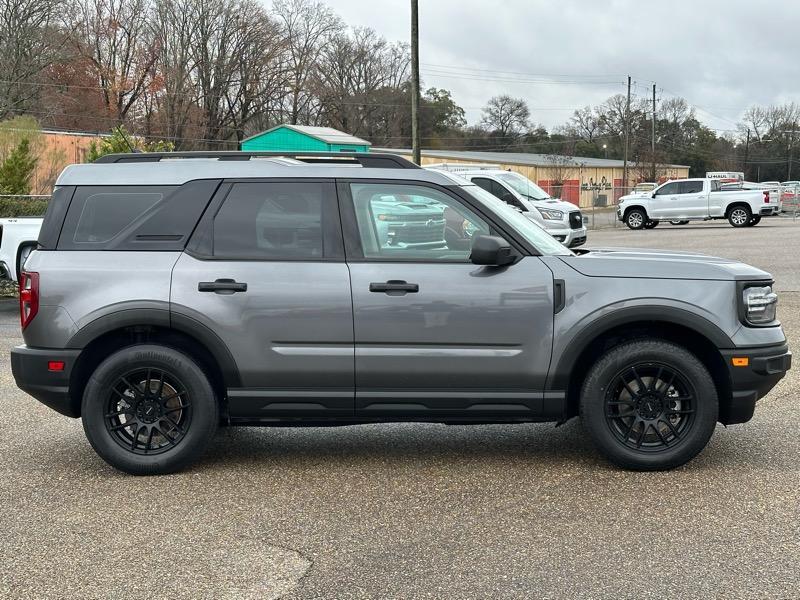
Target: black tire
{"type": "Point", "coordinates": [651, 225]}
{"type": "Point", "coordinates": [168, 428]}
{"type": "Point", "coordinates": [679, 222]}
{"type": "Point", "coordinates": [670, 422]}
{"type": "Point", "coordinates": [739, 215]}
{"type": "Point", "coordinates": [635, 218]}
{"type": "Point", "coordinates": [754, 220]}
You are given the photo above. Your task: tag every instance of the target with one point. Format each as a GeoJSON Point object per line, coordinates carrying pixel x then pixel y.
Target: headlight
{"type": "Point", "coordinates": [550, 215]}
{"type": "Point", "coordinates": [760, 304]}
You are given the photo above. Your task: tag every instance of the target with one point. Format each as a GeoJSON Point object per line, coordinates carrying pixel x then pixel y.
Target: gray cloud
{"type": "Point", "coordinates": [721, 56]}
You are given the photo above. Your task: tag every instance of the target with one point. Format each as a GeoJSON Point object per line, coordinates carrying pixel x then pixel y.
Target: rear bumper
{"type": "Point", "coordinates": [767, 366]}
{"type": "Point", "coordinates": [51, 388]}
{"type": "Point", "coordinates": [768, 211]}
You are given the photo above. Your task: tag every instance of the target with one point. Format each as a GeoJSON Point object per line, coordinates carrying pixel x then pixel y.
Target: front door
{"type": "Point", "coordinates": [265, 273]}
{"type": "Point", "coordinates": [435, 335]}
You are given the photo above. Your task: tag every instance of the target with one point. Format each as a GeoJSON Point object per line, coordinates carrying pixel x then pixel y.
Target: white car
{"type": "Point", "coordinates": [18, 237]}
{"type": "Point", "coordinates": [697, 200]}
{"type": "Point", "coordinates": [562, 220]}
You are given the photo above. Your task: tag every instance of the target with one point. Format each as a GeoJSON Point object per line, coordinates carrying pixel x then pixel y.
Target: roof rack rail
{"type": "Point", "coordinates": [371, 160]}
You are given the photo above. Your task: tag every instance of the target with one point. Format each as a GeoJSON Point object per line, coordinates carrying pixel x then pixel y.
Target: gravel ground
{"type": "Point", "coordinates": [415, 511]}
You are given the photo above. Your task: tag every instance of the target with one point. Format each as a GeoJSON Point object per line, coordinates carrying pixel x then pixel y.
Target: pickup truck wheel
{"type": "Point", "coordinates": [679, 222]}
{"type": "Point", "coordinates": [651, 225]}
{"type": "Point", "coordinates": [635, 218]}
{"type": "Point", "coordinates": [739, 216]}
{"type": "Point", "coordinates": [754, 221]}
{"type": "Point", "coordinates": [649, 405]}
{"type": "Point", "coordinates": [149, 409]}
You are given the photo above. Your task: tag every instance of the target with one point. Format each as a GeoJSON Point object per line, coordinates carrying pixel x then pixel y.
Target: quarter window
{"type": "Point", "coordinates": [273, 221]}
{"type": "Point", "coordinates": [409, 222]}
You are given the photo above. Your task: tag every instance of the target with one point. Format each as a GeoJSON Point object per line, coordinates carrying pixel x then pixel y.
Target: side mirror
{"type": "Point", "coordinates": [491, 250]}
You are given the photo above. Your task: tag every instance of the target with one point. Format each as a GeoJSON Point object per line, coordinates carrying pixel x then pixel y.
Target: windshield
{"type": "Point", "coordinates": [538, 237]}
{"type": "Point", "coordinates": [524, 186]}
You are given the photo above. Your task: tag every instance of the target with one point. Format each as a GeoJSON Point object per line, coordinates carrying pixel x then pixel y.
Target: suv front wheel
{"type": "Point", "coordinates": [149, 409]}
{"type": "Point", "coordinates": [649, 405]}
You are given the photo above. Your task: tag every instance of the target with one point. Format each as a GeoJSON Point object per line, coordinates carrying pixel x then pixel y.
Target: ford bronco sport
{"type": "Point", "coordinates": [170, 294]}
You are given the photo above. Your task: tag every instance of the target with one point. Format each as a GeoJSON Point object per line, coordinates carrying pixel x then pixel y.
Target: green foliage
{"type": "Point", "coordinates": [22, 207]}
{"type": "Point", "coordinates": [118, 143]}
{"type": "Point", "coordinates": [17, 169]}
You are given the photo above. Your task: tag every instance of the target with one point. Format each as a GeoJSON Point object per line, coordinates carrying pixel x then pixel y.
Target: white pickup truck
{"type": "Point", "coordinates": [686, 200]}
{"type": "Point", "coordinates": [18, 237]}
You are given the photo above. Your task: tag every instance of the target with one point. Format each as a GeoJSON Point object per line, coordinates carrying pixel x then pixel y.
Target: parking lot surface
{"type": "Point", "coordinates": [412, 510]}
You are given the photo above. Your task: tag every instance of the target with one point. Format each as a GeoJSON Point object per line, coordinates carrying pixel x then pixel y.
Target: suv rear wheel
{"type": "Point", "coordinates": [635, 218]}
{"type": "Point", "coordinates": [739, 216]}
{"type": "Point", "coordinates": [649, 405]}
{"type": "Point", "coordinates": [149, 409]}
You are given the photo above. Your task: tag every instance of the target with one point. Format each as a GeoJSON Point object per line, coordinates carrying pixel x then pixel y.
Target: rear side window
{"type": "Point", "coordinates": [274, 221]}
{"type": "Point", "coordinates": [691, 187]}
{"type": "Point", "coordinates": [105, 214]}
{"type": "Point", "coordinates": [98, 214]}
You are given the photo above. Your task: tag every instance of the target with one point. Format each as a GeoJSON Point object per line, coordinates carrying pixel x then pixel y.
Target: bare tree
{"type": "Point", "coordinates": [28, 45]}
{"type": "Point", "coordinates": [308, 26]}
{"type": "Point", "coordinates": [115, 36]}
{"type": "Point", "coordinates": [506, 116]}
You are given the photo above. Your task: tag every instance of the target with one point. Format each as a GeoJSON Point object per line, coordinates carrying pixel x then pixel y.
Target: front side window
{"type": "Point", "coordinates": [411, 222]}
{"type": "Point", "coordinates": [668, 189]}
{"type": "Point", "coordinates": [272, 221]}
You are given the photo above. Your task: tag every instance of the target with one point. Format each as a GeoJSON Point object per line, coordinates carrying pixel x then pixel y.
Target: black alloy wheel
{"type": "Point", "coordinates": [650, 406]}
{"type": "Point", "coordinates": [148, 411]}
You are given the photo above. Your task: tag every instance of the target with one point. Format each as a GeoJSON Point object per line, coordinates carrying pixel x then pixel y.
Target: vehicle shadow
{"type": "Point", "coordinates": [401, 442]}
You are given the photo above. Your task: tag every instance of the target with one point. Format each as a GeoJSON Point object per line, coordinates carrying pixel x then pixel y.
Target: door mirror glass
{"type": "Point", "coordinates": [491, 250]}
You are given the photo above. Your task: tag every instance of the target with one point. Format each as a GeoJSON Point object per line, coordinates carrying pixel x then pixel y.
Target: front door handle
{"type": "Point", "coordinates": [394, 287]}
{"type": "Point", "coordinates": [222, 286]}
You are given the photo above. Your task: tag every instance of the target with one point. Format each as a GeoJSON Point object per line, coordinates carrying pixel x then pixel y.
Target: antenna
{"type": "Point", "coordinates": [127, 141]}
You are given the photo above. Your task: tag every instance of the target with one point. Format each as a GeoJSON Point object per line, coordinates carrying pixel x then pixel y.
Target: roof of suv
{"type": "Point", "coordinates": [179, 167]}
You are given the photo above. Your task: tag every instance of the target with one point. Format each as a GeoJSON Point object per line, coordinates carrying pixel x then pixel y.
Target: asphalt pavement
{"type": "Point", "coordinates": [415, 510]}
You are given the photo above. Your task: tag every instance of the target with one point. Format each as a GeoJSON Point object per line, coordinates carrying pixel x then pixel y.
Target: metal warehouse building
{"type": "Point", "coordinates": [580, 180]}
{"type": "Point", "coordinates": [304, 138]}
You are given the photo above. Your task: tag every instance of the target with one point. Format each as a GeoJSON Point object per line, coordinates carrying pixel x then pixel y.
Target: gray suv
{"type": "Point", "coordinates": [174, 293]}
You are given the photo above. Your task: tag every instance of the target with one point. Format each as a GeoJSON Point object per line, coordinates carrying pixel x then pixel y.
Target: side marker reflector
{"type": "Point", "coordinates": [55, 365]}
{"type": "Point", "coordinates": [740, 361]}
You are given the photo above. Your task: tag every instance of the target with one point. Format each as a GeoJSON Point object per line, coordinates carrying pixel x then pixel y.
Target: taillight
{"type": "Point", "coordinates": [766, 196]}
{"type": "Point", "coordinates": [28, 297]}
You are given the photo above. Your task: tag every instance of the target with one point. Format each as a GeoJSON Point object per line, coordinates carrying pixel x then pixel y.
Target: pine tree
{"type": "Point", "coordinates": [17, 169]}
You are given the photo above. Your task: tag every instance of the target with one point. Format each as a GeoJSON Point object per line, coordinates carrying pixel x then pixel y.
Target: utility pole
{"type": "Point", "coordinates": [415, 148]}
{"type": "Point", "coordinates": [627, 130]}
{"type": "Point", "coordinates": [653, 149]}
{"type": "Point", "coordinates": [789, 158]}
{"type": "Point", "coordinates": [746, 152]}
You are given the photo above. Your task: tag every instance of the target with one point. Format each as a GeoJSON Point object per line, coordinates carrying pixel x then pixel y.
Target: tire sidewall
{"type": "Point", "coordinates": [593, 404]}
{"type": "Point", "coordinates": [204, 416]}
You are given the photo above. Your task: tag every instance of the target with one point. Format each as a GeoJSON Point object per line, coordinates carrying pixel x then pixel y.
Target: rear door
{"type": "Point", "coordinates": [692, 200]}
{"type": "Point", "coordinates": [265, 273]}
{"type": "Point", "coordinates": [435, 335]}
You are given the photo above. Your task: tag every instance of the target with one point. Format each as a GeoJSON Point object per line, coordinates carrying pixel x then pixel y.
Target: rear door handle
{"type": "Point", "coordinates": [394, 287]}
{"type": "Point", "coordinates": [222, 286]}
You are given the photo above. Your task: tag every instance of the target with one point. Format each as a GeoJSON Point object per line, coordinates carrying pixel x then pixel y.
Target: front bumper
{"type": "Point", "coordinates": [51, 388]}
{"type": "Point", "coordinates": [766, 367]}
{"type": "Point", "coordinates": [569, 237]}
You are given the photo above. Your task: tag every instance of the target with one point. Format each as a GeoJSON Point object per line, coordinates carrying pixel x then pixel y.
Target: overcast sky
{"type": "Point", "coordinates": [721, 56]}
